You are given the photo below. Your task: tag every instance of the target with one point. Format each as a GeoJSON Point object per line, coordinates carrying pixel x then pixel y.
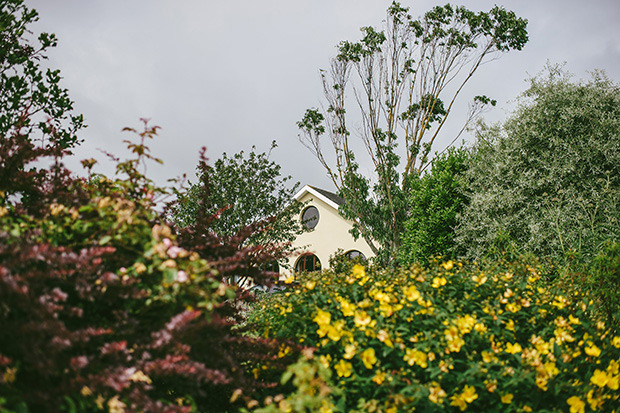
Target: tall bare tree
{"type": "Point", "coordinates": [405, 81]}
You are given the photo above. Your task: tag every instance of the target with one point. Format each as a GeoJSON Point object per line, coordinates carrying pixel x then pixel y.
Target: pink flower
{"type": "Point", "coordinates": [182, 276]}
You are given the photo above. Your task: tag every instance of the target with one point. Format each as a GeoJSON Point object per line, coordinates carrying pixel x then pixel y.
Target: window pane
{"type": "Point", "coordinates": [310, 217]}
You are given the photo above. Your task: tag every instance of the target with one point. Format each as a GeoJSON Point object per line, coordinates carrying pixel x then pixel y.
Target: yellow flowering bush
{"type": "Point", "coordinates": [453, 337]}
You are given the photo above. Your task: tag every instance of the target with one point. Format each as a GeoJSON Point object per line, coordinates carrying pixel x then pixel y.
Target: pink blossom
{"type": "Point", "coordinates": [182, 276]}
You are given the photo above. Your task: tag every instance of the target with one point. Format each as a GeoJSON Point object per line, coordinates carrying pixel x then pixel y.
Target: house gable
{"type": "Point", "coordinates": [331, 231]}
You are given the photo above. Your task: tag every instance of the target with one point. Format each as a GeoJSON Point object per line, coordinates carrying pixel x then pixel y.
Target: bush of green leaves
{"type": "Point", "coordinates": [452, 337]}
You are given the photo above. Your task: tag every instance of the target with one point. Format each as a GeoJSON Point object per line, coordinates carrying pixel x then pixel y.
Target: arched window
{"type": "Point", "coordinates": [310, 217]}
{"type": "Point", "coordinates": [354, 254]}
{"type": "Point", "coordinates": [308, 263]}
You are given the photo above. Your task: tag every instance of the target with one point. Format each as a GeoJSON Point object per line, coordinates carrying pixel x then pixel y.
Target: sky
{"type": "Point", "coordinates": [228, 75]}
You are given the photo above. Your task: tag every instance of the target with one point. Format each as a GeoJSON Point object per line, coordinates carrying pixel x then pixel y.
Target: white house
{"type": "Point", "coordinates": [326, 232]}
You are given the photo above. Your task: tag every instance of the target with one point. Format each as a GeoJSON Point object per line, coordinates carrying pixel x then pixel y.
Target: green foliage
{"type": "Point", "coordinates": [548, 180]}
{"type": "Point", "coordinates": [406, 79]}
{"type": "Point", "coordinates": [340, 263]}
{"type": "Point", "coordinates": [488, 337]}
{"type": "Point", "coordinates": [312, 389]}
{"type": "Point", "coordinates": [103, 307]}
{"type": "Point", "coordinates": [32, 102]}
{"type": "Point", "coordinates": [601, 279]}
{"type": "Point", "coordinates": [243, 190]}
{"type": "Point", "coordinates": [435, 200]}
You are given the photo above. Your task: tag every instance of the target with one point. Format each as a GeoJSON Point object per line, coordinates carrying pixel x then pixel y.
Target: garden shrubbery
{"type": "Point", "coordinates": [104, 307]}
{"type": "Point", "coordinates": [488, 337]}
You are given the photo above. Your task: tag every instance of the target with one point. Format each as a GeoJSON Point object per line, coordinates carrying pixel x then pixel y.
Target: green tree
{"type": "Point", "coordinates": [243, 189]}
{"type": "Point", "coordinates": [408, 78]}
{"type": "Point", "coordinates": [435, 201]}
{"type": "Point", "coordinates": [32, 102]}
{"type": "Point", "coordinates": [548, 179]}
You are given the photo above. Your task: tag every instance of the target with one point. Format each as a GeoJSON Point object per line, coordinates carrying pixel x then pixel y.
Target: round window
{"type": "Point", "coordinates": [310, 217]}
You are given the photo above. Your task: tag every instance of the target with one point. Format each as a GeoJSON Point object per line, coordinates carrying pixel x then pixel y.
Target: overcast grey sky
{"type": "Point", "coordinates": [231, 74]}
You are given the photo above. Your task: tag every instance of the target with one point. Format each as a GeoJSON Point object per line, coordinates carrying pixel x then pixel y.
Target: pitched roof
{"type": "Point", "coordinates": [329, 198]}
{"type": "Point", "coordinates": [332, 196]}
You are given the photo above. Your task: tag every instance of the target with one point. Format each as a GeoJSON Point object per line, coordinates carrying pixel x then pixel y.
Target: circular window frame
{"type": "Point", "coordinates": [310, 223]}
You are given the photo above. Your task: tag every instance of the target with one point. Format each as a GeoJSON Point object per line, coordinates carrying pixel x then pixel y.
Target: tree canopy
{"type": "Point", "coordinates": [548, 180]}
{"type": "Point", "coordinates": [404, 81]}
{"type": "Point", "coordinates": [243, 189]}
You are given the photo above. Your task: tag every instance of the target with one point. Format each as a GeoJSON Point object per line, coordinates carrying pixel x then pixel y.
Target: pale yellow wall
{"type": "Point", "coordinates": [330, 233]}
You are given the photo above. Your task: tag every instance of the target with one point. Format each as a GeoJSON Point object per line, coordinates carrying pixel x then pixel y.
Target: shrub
{"type": "Point", "coordinates": [548, 179]}
{"type": "Point", "coordinates": [434, 202]}
{"type": "Point", "coordinates": [103, 309]}
{"type": "Point", "coordinates": [487, 337]}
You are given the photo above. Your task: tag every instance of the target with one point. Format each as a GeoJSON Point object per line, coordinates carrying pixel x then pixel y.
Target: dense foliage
{"type": "Point", "coordinates": [452, 337]}
{"type": "Point", "coordinates": [243, 190]}
{"type": "Point", "coordinates": [548, 180]}
{"type": "Point", "coordinates": [103, 309]}
{"type": "Point", "coordinates": [32, 99]}
{"type": "Point", "coordinates": [406, 79]}
{"type": "Point", "coordinates": [435, 200]}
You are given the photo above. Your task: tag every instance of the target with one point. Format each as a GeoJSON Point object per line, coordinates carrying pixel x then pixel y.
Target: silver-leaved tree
{"type": "Point", "coordinates": [405, 81]}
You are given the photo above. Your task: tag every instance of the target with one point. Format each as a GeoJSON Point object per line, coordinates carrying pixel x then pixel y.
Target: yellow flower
{"type": "Point", "coordinates": [576, 405]}
{"type": "Point", "coordinates": [362, 319]}
{"type": "Point", "coordinates": [592, 350]}
{"type": "Point", "coordinates": [513, 348]}
{"type": "Point", "coordinates": [615, 342]}
{"type": "Point", "coordinates": [594, 402]}
{"type": "Point", "coordinates": [349, 351]}
{"type": "Point", "coordinates": [322, 317]}
{"type": "Point", "coordinates": [448, 265]}
{"type": "Point", "coordinates": [335, 332]}
{"type": "Point", "coordinates": [437, 394]}
{"type": "Point", "coordinates": [3, 211]}
{"type": "Point", "coordinates": [469, 394]}
{"type": "Point", "coordinates": [513, 307]}
{"type": "Point", "coordinates": [573, 320]}
{"type": "Point", "coordinates": [343, 368]}
{"type": "Point", "coordinates": [384, 337]}
{"type": "Point", "coordinates": [310, 285]}
{"type": "Point", "coordinates": [599, 378]}
{"type": "Point", "coordinates": [412, 293]}
{"type": "Point", "coordinates": [325, 360]}
{"type": "Point", "coordinates": [510, 325]}
{"type": "Point", "coordinates": [480, 327]}
{"type": "Point", "coordinates": [507, 398]}
{"type": "Point", "coordinates": [368, 357]}
{"type": "Point", "coordinates": [461, 400]}
{"type": "Point", "coordinates": [439, 282]}
{"type": "Point", "coordinates": [358, 271]}
{"type": "Point", "coordinates": [415, 357]}
{"type": "Point", "coordinates": [379, 377]}
{"type": "Point", "coordinates": [559, 302]}
{"type": "Point", "coordinates": [479, 279]}
{"type": "Point", "coordinates": [465, 323]}
{"type": "Point", "coordinates": [288, 278]}
{"type": "Point", "coordinates": [347, 308]}
{"type": "Point", "coordinates": [551, 369]}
